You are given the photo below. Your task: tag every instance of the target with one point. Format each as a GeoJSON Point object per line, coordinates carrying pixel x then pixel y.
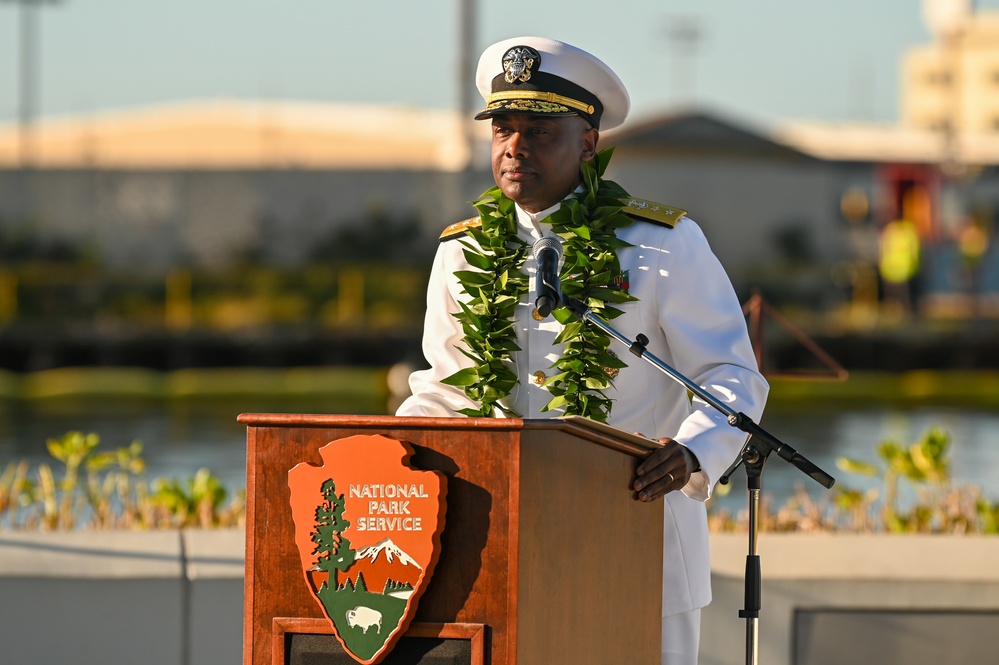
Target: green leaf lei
{"type": "Point", "coordinates": [587, 225]}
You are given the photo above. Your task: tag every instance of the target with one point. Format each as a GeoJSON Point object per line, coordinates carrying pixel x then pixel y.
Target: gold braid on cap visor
{"type": "Point", "coordinates": [540, 96]}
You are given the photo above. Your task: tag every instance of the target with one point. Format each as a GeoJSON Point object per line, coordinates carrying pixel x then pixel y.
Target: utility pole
{"type": "Point", "coordinates": [467, 51]}
{"type": "Point", "coordinates": [28, 87]}
{"type": "Point", "coordinates": [684, 34]}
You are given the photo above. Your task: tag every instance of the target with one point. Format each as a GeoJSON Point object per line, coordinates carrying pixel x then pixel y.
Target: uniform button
{"type": "Point", "coordinates": [539, 378]}
{"type": "Point", "coordinates": [612, 372]}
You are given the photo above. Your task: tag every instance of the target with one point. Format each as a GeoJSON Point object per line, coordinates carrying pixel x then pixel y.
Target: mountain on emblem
{"type": "Point", "coordinates": [368, 533]}
{"type": "Point", "coordinates": [387, 567]}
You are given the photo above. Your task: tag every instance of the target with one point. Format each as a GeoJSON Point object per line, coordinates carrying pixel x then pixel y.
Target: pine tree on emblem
{"type": "Point", "coordinates": [332, 548]}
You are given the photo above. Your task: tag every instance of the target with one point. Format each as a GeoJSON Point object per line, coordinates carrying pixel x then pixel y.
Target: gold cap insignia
{"type": "Point", "coordinates": [519, 62]}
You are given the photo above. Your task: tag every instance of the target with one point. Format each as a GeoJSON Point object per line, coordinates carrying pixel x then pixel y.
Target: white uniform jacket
{"type": "Point", "coordinates": [687, 308]}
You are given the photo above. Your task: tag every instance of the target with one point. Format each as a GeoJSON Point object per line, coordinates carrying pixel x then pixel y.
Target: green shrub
{"type": "Point", "coordinates": [109, 490]}
{"type": "Point", "coordinates": [937, 506]}
{"type": "Point", "coordinates": [95, 489]}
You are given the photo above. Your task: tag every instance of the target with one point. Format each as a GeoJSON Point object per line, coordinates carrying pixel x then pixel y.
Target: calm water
{"type": "Point", "coordinates": [179, 437]}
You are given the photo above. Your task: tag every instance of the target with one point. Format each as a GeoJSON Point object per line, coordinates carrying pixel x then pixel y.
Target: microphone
{"type": "Point", "coordinates": [548, 254]}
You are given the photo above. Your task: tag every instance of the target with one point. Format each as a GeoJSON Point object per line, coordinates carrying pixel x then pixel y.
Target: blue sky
{"type": "Point", "coordinates": [762, 61]}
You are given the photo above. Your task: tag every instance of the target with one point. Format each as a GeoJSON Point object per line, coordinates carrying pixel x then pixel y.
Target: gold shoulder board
{"type": "Point", "coordinates": [650, 211]}
{"type": "Point", "coordinates": [458, 228]}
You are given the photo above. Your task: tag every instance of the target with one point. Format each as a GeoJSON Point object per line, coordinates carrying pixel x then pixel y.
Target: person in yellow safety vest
{"type": "Point", "coordinates": [972, 244]}
{"type": "Point", "coordinates": [898, 260]}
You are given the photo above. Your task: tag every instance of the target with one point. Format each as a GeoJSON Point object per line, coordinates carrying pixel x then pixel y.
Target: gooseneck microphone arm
{"type": "Point", "coordinates": [735, 419]}
{"type": "Point", "coordinates": [753, 455]}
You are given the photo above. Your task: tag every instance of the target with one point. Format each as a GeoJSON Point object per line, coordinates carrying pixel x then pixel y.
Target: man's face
{"type": "Point", "coordinates": [536, 159]}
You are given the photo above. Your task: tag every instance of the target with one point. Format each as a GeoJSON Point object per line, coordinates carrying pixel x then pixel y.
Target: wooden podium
{"type": "Point", "coordinates": [546, 556]}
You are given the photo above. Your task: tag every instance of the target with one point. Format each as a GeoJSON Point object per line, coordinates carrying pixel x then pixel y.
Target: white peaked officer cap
{"type": "Point", "coordinates": [540, 76]}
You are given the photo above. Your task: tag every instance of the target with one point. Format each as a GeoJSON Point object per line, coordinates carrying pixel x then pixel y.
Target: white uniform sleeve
{"type": "Point", "coordinates": [706, 331]}
{"type": "Point", "coordinates": [441, 333]}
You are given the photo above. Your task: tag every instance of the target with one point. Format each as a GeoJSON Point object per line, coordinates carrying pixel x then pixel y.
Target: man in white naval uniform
{"type": "Point", "coordinates": [685, 306]}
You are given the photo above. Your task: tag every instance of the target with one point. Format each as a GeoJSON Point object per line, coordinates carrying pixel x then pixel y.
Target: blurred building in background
{"type": "Point", "coordinates": [952, 84]}
{"type": "Point", "coordinates": [809, 212]}
{"type": "Point", "coordinates": [209, 183]}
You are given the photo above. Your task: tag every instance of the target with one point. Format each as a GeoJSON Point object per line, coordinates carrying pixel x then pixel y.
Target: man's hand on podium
{"type": "Point", "coordinates": [664, 470]}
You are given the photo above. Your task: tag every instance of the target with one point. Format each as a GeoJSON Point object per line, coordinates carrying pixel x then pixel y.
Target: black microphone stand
{"type": "Point", "coordinates": [757, 448]}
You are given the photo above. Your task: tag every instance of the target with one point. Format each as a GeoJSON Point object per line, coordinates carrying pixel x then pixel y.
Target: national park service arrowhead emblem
{"type": "Point", "coordinates": [368, 529]}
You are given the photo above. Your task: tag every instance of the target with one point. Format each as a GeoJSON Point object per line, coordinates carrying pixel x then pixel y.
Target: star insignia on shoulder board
{"type": "Point", "coordinates": [656, 213]}
{"type": "Point", "coordinates": [457, 229]}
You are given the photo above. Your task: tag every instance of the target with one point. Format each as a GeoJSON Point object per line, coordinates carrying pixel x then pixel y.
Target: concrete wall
{"type": "Point", "coordinates": [176, 598]}
{"type": "Point", "coordinates": [159, 598]}
{"type": "Point", "coordinates": [844, 598]}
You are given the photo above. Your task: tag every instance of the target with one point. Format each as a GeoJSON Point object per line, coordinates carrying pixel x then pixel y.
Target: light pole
{"type": "Point", "coordinates": [685, 35]}
{"type": "Point", "coordinates": [467, 45]}
{"type": "Point", "coordinates": [28, 85]}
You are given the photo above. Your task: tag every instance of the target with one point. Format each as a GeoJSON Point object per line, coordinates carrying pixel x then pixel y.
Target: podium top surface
{"type": "Point", "coordinates": [584, 428]}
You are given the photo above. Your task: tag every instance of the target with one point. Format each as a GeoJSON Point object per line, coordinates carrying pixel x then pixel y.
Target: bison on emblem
{"type": "Point", "coordinates": [364, 618]}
